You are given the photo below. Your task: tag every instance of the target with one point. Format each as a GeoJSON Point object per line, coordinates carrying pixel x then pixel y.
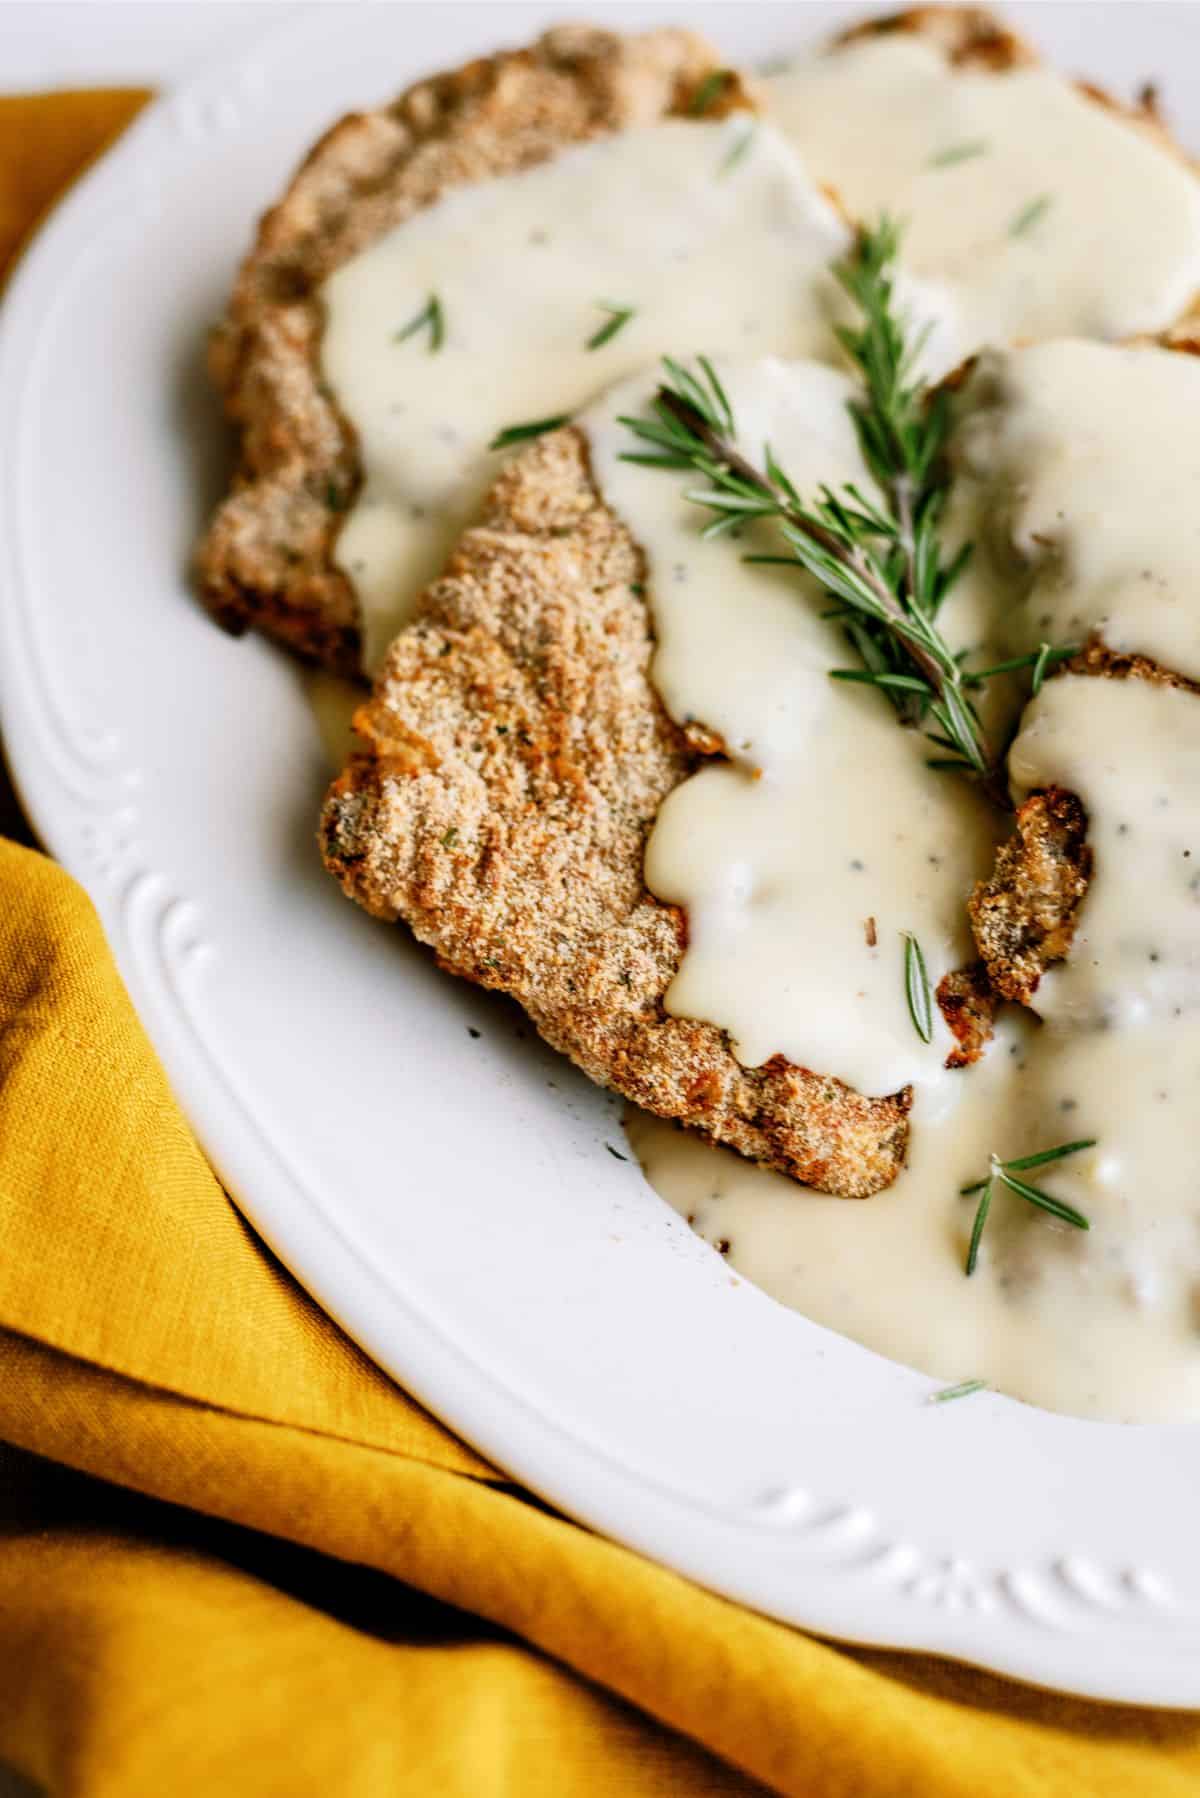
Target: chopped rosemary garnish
{"type": "Point", "coordinates": [431, 314]}
{"type": "Point", "coordinates": [964, 1389]}
{"type": "Point", "coordinates": [713, 85]}
{"type": "Point", "coordinates": [1029, 215]}
{"type": "Point", "coordinates": [1006, 1172]}
{"type": "Point", "coordinates": [618, 318]}
{"type": "Point", "coordinates": [916, 988]}
{"type": "Point", "coordinates": [738, 149]}
{"type": "Point", "coordinates": [536, 427]}
{"type": "Point", "coordinates": [945, 159]}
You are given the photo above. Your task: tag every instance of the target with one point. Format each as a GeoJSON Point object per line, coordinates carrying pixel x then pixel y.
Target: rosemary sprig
{"type": "Point", "coordinates": [1007, 1173]}
{"type": "Point", "coordinates": [879, 558]}
{"type": "Point", "coordinates": [534, 427]}
{"type": "Point", "coordinates": [881, 563]}
{"type": "Point", "coordinates": [694, 429]}
{"type": "Point", "coordinates": [916, 988]}
{"type": "Point", "coordinates": [618, 318]}
{"type": "Point", "coordinates": [431, 314]}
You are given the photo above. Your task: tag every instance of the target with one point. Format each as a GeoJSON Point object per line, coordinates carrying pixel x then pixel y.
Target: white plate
{"type": "Point", "coordinates": [449, 1199]}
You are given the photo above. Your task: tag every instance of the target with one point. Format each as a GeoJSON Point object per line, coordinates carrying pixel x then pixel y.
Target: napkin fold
{"type": "Point", "coordinates": [235, 1557]}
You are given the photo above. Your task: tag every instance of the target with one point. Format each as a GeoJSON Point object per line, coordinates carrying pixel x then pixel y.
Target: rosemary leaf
{"type": "Point", "coordinates": [1044, 1200]}
{"type": "Point", "coordinates": [869, 677]}
{"type": "Point", "coordinates": [1029, 215]}
{"type": "Point", "coordinates": [431, 314]}
{"type": "Point", "coordinates": [916, 988]}
{"type": "Point", "coordinates": [964, 1389]}
{"type": "Point", "coordinates": [1065, 1148]}
{"type": "Point", "coordinates": [738, 149]}
{"type": "Point", "coordinates": [710, 89]}
{"type": "Point", "coordinates": [725, 413]}
{"type": "Point", "coordinates": [536, 427]}
{"type": "Point", "coordinates": [618, 318]}
{"type": "Point", "coordinates": [944, 159]}
{"type": "Point", "coordinates": [665, 461]}
{"type": "Point", "coordinates": [1045, 655]}
{"type": "Point", "coordinates": [981, 1217]}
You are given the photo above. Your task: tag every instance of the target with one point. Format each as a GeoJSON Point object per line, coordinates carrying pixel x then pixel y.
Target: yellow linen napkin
{"type": "Point", "coordinates": [234, 1557]}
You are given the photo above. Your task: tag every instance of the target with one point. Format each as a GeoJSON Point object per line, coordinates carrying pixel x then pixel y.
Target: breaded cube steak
{"type": "Point", "coordinates": [516, 756]}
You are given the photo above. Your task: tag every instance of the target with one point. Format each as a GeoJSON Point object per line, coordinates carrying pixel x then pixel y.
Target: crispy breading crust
{"type": "Point", "coordinates": [969, 37]}
{"type": "Point", "coordinates": [1023, 915]}
{"type": "Point", "coordinates": [967, 1001]}
{"type": "Point", "coordinates": [267, 558]}
{"type": "Point", "coordinates": [517, 756]}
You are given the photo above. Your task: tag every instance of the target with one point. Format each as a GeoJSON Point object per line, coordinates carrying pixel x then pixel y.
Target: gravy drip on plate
{"type": "Point", "coordinates": [1038, 211]}
{"type": "Point", "coordinates": [711, 236]}
{"type": "Point", "coordinates": [762, 850]}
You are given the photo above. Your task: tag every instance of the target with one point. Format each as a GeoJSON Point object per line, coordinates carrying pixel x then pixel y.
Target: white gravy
{"type": "Point", "coordinates": [1077, 471]}
{"type": "Point", "coordinates": [711, 233]}
{"type": "Point", "coordinates": [334, 702]}
{"type": "Point", "coordinates": [1039, 212]}
{"type": "Point", "coordinates": [778, 871]}
{"type": "Point", "coordinates": [1103, 1323]}
{"type": "Point", "coordinates": [826, 816]}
